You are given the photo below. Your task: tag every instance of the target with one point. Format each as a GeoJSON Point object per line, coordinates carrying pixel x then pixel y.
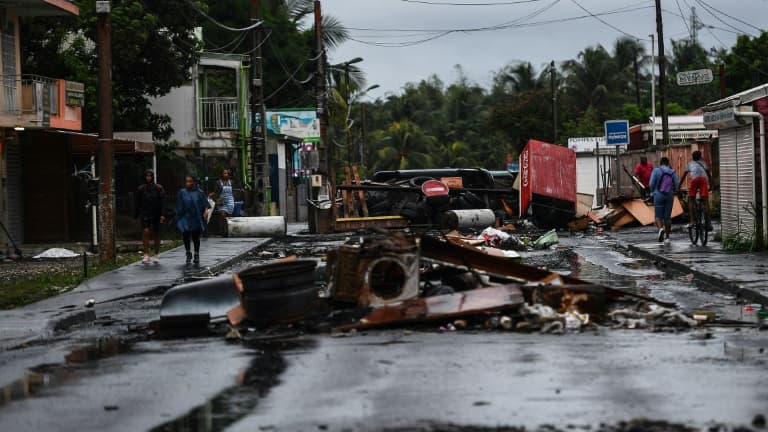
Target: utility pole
{"type": "Point", "coordinates": [259, 156]}
{"type": "Point", "coordinates": [653, 92]}
{"type": "Point", "coordinates": [637, 77]}
{"type": "Point", "coordinates": [694, 26]}
{"type": "Point", "coordinates": [325, 151]}
{"type": "Point", "coordinates": [363, 133]}
{"type": "Point", "coordinates": [662, 75]}
{"type": "Point", "coordinates": [554, 98]}
{"type": "Point", "coordinates": [106, 154]}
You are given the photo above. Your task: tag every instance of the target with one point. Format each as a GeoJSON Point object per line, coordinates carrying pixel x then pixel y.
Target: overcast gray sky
{"type": "Point", "coordinates": [527, 38]}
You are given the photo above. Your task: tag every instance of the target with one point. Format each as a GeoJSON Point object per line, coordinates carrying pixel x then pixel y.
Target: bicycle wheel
{"type": "Point", "coordinates": [693, 233]}
{"type": "Point", "coordinates": [702, 224]}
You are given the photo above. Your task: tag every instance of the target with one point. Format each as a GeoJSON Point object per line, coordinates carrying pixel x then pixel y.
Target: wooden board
{"type": "Point", "coordinates": [640, 211]}
{"type": "Point", "coordinates": [625, 219]}
{"type": "Point", "coordinates": [360, 193]}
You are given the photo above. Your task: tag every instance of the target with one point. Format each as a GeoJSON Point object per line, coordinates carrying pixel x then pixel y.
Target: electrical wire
{"type": "Point", "coordinates": [682, 16]}
{"type": "Point", "coordinates": [715, 16]}
{"type": "Point", "coordinates": [703, 3]}
{"type": "Point", "coordinates": [435, 3]}
{"type": "Point", "coordinates": [359, 38]}
{"type": "Point", "coordinates": [738, 57]}
{"type": "Point", "coordinates": [217, 23]}
{"type": "Point", "coordinates": [236, 41]}
{"type": "Point", "coordinates": [606, 22]}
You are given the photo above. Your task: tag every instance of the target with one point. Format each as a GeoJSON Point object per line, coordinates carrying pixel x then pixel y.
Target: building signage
{"type": "Point", "coordinates": [721, 119]}
{"type": "Point", "coordinates": [74, 94]}
{"type": "Point", "coordinates": [617, 132]}
{"type": "Point", "coordinates": [694, 77]}
{"type": "Point", "coordinates": [301, 124]}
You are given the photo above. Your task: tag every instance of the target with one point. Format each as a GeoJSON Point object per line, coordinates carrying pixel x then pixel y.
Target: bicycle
{"type": "Point", "coordinates": [698, 231]}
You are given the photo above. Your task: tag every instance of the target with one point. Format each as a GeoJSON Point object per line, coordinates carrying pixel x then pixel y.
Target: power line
{"type": "Point", "coordinates": [605, 22]}
{"type": "Point", "coordinates": [706, 8]}
{"type": "Point", "coordinates": [733, 52]}
{"type": "Point", "coordinates": [442, 33]}
{"type": "Point", "coordinates": [682, 16]}
{"type": "Point", "coordinates": [624, 9]}
{"type": "Point", "coordinates": [703, 3]}
{"type": "Point", "coordinates": [224, 26]}
{"type": "Point", "coordinates": [435, 3]}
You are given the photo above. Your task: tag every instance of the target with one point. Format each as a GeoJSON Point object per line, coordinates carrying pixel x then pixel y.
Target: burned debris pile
{"type": "Point", "coordinates": [434, 281]}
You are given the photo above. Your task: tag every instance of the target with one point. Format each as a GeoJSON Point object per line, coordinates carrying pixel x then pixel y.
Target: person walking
{"type": "Point", "coordinates": [224, 197]}
{"type": "Point", "coordinates": [148, 207]}
{"type": "Point", "coordinates": [664, 182]}
{"type": "Point", "coordinates": [700, 176]}
{"type": "Point", "coordinates": [191, 213]}
{"type": "Point", "coordinates": [643, 171]}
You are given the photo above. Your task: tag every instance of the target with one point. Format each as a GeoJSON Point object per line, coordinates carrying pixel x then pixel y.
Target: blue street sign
{"type": "Point", "coordinates": [617, 132]}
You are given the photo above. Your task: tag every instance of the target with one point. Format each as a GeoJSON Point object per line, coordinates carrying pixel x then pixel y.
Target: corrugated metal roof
{"type": "Point", "coordinates": [743, 98]}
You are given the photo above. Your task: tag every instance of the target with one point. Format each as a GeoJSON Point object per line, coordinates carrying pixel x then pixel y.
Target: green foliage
{"type": "Point", "coordinates": [746, 63]}
{"type": "Point", "coordinates": [153, 49]}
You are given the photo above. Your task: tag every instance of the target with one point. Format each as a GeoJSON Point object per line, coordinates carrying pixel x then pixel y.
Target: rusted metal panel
{"type": "Point", "coordinates": [455, 253]}
{"type": "Point", "coordinates": [443, 307]}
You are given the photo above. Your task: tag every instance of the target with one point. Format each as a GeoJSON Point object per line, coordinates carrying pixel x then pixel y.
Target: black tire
{"type": "Point", "coordinates": [382, 208]}
{"type": "Point", "coordinates": [471, 201]}
{"type": "Point", "coordinates": [701, 224]}
{"type": "Point", "coordinates": [693, 233]}
{"type": "Point", "coordinates": [417, 213]}
{"type": "Point", "coordinates": [418, 181]}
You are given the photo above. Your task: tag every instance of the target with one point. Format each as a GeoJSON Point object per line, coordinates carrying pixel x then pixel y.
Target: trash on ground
{"type": "Point", "coordinates": [57, 253]}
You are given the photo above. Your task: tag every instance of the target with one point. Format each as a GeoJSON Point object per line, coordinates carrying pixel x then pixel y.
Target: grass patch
{"type": "Point", "coordinates": [31, 289]}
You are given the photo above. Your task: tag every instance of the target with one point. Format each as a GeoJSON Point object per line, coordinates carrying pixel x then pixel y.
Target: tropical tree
{"type": "Point", "coordinates": [629, 57]}
{"type": "Point", "coordinates": [404, 145]}
{"type": "Point", "coordinates": [593, 80]}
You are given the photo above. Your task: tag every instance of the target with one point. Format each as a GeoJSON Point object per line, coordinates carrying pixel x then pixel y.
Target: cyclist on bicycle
{"type": "Point", "coordinates": [700, 176]}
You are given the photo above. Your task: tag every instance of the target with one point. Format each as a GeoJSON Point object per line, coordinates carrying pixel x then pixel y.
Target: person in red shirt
{"type": "Point", "coordinates": [643, 171]}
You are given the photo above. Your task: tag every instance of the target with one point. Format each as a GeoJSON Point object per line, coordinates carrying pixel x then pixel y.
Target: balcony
{"type": "Point", "coordinates": [32, 101]}
{"type": "Point", "coordinates": [219, 114]}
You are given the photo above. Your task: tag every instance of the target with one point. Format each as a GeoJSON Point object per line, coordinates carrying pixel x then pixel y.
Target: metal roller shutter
{"type": "Point", "coordinates": [737, 181]}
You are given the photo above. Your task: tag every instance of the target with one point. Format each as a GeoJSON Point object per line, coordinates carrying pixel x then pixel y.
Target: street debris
{"type": "Point", "coordinates": [56, 253]}
{"type": "Point", "coordinates": [622, 212]}
{"type": "Point", "coordinates": [653, 317]}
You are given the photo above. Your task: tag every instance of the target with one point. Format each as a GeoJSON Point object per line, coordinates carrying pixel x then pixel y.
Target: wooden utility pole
{"type": "Point", "coordinates": [326, 152]}
{"type": "Point", "coordinates": [553, 86]}
{"type": "Point", "coordinates": [636, 67]}
{"type": "Point", "coordinates": [106, 154]}
{"type": "Point", "coordinates": [662, 76]}
{"type": "Point", "coordinates": [259, 156]}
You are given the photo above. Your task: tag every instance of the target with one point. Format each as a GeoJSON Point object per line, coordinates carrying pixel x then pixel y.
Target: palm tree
{"type": "Point", "coordinates": [629, 56]}
{"type": "Point", "coordinates": [404, 146]}
{"type": "Point", "coordinates": [518, 78]}
{"type": "Point", "coordinates": [593, 80]}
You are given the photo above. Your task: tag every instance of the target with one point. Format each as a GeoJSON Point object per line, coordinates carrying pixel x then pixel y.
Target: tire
{"type": "Point", "coordinates": [417, 213]}
{"type": "Point", "coordinates": [418, 181]}
{"type": "Point", "coordinates": [693, 233]}
{"type": "Point", "coordinates": [701, 225]}
{"type": "Point", "coordinates": [382, 208]}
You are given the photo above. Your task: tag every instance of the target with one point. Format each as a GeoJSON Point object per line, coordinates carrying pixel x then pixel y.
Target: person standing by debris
{"type": "Point", "coordinates": [148, 207]}
{"type": "Point", "coordinates": [191, 213]}
{"type": "Point", "coordinates": [224, 197]}
{"type": "Point", "coordinates": [643, 171]}
{"type": "Point", "coordinates": [664, 182]}
{"type": "Point", "coordinates": [700, 176]}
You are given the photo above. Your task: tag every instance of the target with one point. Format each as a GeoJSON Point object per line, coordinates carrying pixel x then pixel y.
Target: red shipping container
{"type": "Point", "coordinates": [547, 170]}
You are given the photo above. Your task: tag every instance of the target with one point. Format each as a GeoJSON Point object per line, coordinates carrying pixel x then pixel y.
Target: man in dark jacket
{"type": "Point", "coordinates": [149, 208]}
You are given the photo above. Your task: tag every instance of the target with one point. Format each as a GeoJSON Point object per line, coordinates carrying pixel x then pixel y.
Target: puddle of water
{"type": "Point", "coordinates": [238, 401]}
{"type": "Point", "coordinates": [47, 375]}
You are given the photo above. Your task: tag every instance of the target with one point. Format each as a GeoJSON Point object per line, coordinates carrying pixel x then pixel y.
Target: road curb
{"type": "Point", "coordinates": [69, 319]}
{"type": "Point", "coordinates": [716, 282]}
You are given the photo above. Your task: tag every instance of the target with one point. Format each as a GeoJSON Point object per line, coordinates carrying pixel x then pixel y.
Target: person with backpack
{"type": "Point", "coordinates": [192, 209]}
{"type": "Point", "coordinates": [148, 206]}
{"type": "Point", "coordinates": [700, 176]}
{"type": "Point", "coordinates": [664, 182]}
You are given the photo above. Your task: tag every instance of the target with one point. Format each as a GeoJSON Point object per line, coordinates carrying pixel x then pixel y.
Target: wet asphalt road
{"type": "Point", "coordinates": [397, 378]}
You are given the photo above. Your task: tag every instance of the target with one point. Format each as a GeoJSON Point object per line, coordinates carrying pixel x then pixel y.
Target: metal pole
{"type": "Point", "coordinates": [363, 134]}
{"type": "Point", "coordinates": [94, 217]}
{"type": "Point", "coordinates": [618, 172]}
{"type": "Point", "coordinates": [326, 151]}
{"type": "Point", "coordinates": [653, 93]}
{"type": "Point", "coordinates": [106, 155]}
{"type": "Point", "coordinates": [662, 75]}
{"type": "Point", "coordinates": [348, 101]}
{"type": "Point", "coordinates": [722, 80]}
{"type": "Point", "coordinates": [259, 153]}
{"type": "Point", "coordinates": [597, 160]}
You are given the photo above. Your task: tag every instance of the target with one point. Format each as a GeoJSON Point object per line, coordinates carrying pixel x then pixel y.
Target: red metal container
{"type": "Point", "coordinates": [548, 178]}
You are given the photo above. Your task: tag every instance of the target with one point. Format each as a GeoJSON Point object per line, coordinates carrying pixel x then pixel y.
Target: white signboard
{"type": "Point", "coordinates": [694, 77]}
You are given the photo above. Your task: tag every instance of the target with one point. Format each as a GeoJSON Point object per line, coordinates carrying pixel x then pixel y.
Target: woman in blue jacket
{"type": "Point", "coordinates": [192, 209]}
{"type": "Point", "coordinates": [664, 183]}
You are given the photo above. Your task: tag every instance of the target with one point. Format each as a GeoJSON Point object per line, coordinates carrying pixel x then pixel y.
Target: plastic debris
{"type": "Point", "coordinates": [550, 238]}
{"type": "Point", "coordinates": [57, 253]}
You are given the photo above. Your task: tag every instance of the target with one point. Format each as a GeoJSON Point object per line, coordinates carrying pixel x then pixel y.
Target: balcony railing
{"type": "Point", "coordinates": [30, 95]}
{"type": "Point", "coordinates": [219, 114]}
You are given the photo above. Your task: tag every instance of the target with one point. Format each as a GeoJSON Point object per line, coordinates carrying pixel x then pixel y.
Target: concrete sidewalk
{"type": "Point", "coordinates": [743, 275]}
{"type": "Point", "coordinates": [40, 320]}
